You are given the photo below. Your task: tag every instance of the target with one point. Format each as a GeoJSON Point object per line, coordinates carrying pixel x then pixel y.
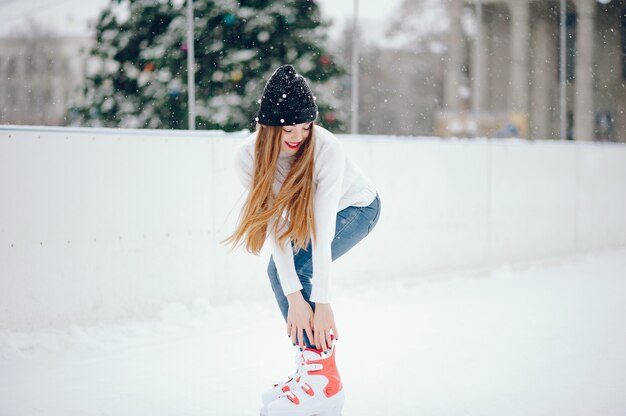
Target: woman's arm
{"type": "Point", "coordinates": [282, 254]}
{"type": "Point", "coordinates": [244, 164]}
{"type": "Point", "coordinates": [300, 315]}
{"type": "Point", "coordinates": [331, 164]}
{"type": "Point", "coordinates": [330, 170]}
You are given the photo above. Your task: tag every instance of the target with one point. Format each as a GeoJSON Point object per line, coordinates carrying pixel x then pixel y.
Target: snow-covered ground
{"type": "Point", "coordinates": [540, 338]}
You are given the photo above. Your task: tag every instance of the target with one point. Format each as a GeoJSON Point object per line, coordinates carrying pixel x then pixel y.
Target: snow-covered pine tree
{"type": "Point", "coordinates": [140, 76]}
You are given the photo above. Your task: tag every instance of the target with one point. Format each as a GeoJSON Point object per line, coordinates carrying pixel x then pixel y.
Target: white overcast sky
{"type": "Point", "coordinates": [70, 17]}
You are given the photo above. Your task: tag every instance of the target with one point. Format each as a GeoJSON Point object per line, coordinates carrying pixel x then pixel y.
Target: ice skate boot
{"type": "Point", "coordinates": [319, 391]}
{"type": "Point", "coordinates": [280, 388]}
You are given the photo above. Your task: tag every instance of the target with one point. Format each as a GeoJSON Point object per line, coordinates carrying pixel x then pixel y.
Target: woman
{"type": "Point", "coordinates": [311, 203]}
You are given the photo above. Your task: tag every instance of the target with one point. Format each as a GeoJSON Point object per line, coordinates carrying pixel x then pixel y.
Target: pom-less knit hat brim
{"type": "Point", "coordinates": [283, 119]}
{"type": "Point", "coordinates": [287, 99]}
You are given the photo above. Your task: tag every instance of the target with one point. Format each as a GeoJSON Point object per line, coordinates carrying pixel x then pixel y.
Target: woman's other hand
{"type": "Point", "coordinates": [299, 319]}
{"type": "Point", "coordinates": [323, 323]}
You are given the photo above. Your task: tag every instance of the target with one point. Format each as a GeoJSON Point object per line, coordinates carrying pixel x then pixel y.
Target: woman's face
{"type": "Point", "coordinates": [293, 136]}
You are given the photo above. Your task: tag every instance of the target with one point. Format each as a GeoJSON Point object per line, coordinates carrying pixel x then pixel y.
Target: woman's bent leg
{"type": "Point", "coordinates": [281, 299]}
{"type": "Point", "coordinates": [354, 224]}
{"type": "Point", "coordinates": [305, 271]}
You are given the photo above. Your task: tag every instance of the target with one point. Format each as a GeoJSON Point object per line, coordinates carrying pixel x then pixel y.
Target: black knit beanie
{"type": "Point", "coordinates": [287, 99]}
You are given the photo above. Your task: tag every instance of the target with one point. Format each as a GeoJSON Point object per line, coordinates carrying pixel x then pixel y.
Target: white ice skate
{"type": "Point", "coordinates": [280, 388]}
{"type": "Point", "coordinates": [319, 391]}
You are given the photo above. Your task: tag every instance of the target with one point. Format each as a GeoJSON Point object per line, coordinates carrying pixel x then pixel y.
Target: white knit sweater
{"type": "Point", "coordinates": [338, 182]}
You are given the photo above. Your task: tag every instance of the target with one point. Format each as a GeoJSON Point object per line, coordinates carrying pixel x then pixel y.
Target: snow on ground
{"type": "Point", "coordinates": [541, 338]}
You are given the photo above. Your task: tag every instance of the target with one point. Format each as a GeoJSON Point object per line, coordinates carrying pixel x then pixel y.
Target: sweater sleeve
{"type": "Point", "coordinates": [244, 163]}
{"type": "Point", "coordinates": [285, 263]}
{"type": "Point", "coordinates": [282, 255]}
{"type": "Point", "coordinates": [331, 164]}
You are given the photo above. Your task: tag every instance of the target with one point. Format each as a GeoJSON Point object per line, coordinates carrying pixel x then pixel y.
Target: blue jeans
{"type": "Point", "coordinates": [353, 224]}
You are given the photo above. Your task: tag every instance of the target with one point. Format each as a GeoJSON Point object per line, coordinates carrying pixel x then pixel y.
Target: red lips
{"type": "Point", "coordinates": [292, 146]}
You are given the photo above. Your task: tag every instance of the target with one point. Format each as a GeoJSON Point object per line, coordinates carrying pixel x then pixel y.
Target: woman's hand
{"type": "Point", "coordinates": [323, 323]}
{"type": "Point", "coordinates": [299, 319]}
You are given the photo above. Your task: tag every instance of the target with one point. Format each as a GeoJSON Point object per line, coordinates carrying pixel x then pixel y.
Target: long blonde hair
{"type": "Point", "coordinates": [295, 197]}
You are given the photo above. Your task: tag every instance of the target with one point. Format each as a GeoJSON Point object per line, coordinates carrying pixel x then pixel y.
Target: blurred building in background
{"type": "Point", "coordinates": [39, 75]}
{"type": "Point", "coordinates": [519, 61]}
{"type": "Point", "coordinates": [401, 76]}
{"type": "Point", "coordinates": [424, 78]}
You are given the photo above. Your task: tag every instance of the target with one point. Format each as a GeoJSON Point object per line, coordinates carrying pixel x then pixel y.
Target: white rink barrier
{"type": "Point", "coordinates": [105, 225]}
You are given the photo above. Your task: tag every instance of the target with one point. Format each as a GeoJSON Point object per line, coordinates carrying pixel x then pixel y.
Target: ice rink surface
{"type": "Point", "coordinates": [540, 338]}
